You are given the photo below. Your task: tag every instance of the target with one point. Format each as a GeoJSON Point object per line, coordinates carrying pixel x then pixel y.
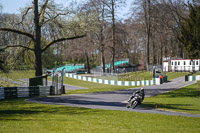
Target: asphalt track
{"type": "Point", "coordinates": [116, 100]}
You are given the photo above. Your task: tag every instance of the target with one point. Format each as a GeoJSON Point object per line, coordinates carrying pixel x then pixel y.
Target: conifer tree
{"type": "Point", "coordinates": [190, 32]}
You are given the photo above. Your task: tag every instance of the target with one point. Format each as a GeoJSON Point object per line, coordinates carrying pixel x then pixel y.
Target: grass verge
{"type": "Point", "coordinates": [18, 116]}
{"type": "Point", "coordinates": [7, 84]}
{"type": "Point", "coordinates": [138, 76]}
{"type": "Point", "coordinates": [186, 99]}
{"type": "Point", "coordinates": [92, 87]}
{"type": "Point", "coordinates": [173, 75]}
{"type": "Point", "coordinates": [20, 74]}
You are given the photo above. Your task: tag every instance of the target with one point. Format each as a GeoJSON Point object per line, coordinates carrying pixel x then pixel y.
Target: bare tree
{"type": "Point", "coordinates": [39, 20]}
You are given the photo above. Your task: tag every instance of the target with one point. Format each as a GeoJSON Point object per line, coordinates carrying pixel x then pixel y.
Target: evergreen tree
{"type": "Point", "coordinates": [190, 32]}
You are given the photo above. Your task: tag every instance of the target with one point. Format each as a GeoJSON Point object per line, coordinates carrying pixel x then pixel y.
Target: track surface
{"type": "Point", "coordinates": [116, 100]}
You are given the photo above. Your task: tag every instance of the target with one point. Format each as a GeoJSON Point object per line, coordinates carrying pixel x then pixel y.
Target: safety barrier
{"type": "Point", "coordinates": [17, 92]}
{"type": "Point", "coordinates": [154, 81]}
{"type": "Point", "coordinates": [192, 78]}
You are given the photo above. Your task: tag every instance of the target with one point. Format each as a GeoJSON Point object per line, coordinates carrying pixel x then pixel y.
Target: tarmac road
{"type": "Point", "coordinates": [116, 100]}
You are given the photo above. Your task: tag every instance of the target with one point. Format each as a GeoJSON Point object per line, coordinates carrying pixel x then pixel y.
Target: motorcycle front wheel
{"type": "Point", "coordinates": [134, 104]}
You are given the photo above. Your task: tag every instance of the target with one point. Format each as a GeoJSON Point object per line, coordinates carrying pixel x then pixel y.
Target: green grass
{"type": "Point", "coordinates": [197, 73]}
{"type": "Point", "coordinates": [173, 75]}
{"type": "Point", "coordinates": [92, 87]}
{"type": "Point", "coordinates": [21, 74]}
{"type": "Point", "coordinates": [18, 116]}
{"type": "Point", "coordinates": [7, 84]}
{"type": "Point", "coordinates": [136, 76]}
{"type": "Point", "coordinates": [186, 99]}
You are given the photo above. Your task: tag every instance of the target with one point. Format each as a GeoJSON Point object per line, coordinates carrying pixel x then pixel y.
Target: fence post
{"type": "Point", "coordinates": [62, 86]}
{"type": "Point", "coordinates": [186, 77]}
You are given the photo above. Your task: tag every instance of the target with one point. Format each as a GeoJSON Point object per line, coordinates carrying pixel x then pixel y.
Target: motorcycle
{"type": "Point", "coordinates": [134, 101]}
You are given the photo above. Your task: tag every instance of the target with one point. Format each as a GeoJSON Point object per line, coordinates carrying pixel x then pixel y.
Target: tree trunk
{"type": "Point", "coordinates": [154, 54]}
{"type": "Point", "coordinates": [113, 38]}
{"type": "Point", "coordinates": [146, 8]}
{"type": "Point", "coordinates": [103, 61]}
{"type": "Point", "coordinates": [88, 63]}
{"type": "Point", "coordinates": [148, 34]}
{"type": "Point", "coordinates": [37, 45]}
{"type": "Point", "coordinates": [101, 43]}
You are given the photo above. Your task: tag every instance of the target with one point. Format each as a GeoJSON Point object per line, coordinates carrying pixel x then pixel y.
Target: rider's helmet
{"type": "Point", "coordinates": [142, 89]}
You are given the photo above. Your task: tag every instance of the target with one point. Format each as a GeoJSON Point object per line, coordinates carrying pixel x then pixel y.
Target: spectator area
{"type": "Point", "coordinates": [118, 63]}
{"type": "Point", "coordinates": [68, 68]}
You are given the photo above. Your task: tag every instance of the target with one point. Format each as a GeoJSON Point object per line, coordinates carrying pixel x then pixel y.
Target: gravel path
{"type": "Point", "coordinates": [116, 100]}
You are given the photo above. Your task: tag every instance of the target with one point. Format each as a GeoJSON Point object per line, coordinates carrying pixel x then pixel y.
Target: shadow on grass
{"type": "Point", "coordinates": [17, 108]}
{"type": "Point", "coordinates": [184, 92]}
{"type": "Point", "coordinates": [169, 106]}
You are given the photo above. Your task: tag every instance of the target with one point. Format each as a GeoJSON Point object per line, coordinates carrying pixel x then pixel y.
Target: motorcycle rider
{"type": "Point", "coordinates": [140, 93]}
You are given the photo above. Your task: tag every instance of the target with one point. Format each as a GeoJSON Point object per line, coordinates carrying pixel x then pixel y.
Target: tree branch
{"type": "Point", "coordinates": [13, 46]}
{"type": "Point", "coordinates": [60, 40]}
{"type": "Point", "coordinates": [18, 32]}
{"type": "Point", "coordinates": [42, 11]}
{"type": "Point", "coordinates": [25, 14]}
{"type": "Point", "coordinates": [52, 18]}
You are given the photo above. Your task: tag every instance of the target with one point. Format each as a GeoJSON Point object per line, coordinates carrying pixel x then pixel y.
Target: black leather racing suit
{"type": "Point", "coordinates": [139, 92]}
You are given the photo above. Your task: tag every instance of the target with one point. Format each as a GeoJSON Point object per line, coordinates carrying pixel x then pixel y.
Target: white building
{"type": "Point", "coordinates": [181, 65]}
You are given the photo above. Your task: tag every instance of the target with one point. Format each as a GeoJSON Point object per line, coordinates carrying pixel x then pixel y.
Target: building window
{"type": "Point", "coordinates": [197, 63]}
{"type": "Point", "coordinates": [172, 63]}
{"type": "Point", "coordinates": [190, 62]}
{"type": "Point", "coordinates": [175, 63]}
{"type": "Point", "coordinates": [193, 62]}
{"type": "Point", "coordinates": [179, 63]}
{"type": "Point", "coordinates": [184, 63]}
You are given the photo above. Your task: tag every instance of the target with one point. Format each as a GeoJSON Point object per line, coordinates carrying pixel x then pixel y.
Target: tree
{"type": "Point", "coordinates": [112, 7]}
{"type": "Point", "coordinates": [147, 13]}
{"type": "Point", "coordinates": [39, 21]}
{"type": "Point", "coordinates": [190, 31]}
{"type": "Point", "coordinates": [99, 8]}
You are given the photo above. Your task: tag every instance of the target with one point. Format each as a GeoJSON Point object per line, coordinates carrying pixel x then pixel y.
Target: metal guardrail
{"type": "Point", "coordinates": [19, 92]}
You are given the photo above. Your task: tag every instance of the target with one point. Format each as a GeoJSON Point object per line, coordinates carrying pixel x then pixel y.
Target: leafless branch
{"type": "Point", "coordinates": [23, 16]}
{"type": "Point", "coordinates": [42, 11]}
{"type": "Point", "coordinates": [52, 18]}
{"type": "Point", "coordinates": [60, 40]}
{"type": "Point", "coordinates": [15, 46]}
{"type": "Point", "coordinates": [18, 32]}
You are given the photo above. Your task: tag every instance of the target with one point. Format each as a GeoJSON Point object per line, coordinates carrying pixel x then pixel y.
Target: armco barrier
{"type": "Point", "coordinates": [16, 92]}
{"type": "Point", "coordinates": [154, 81]}
{"type": "Point", "coordinates": [192, 78]}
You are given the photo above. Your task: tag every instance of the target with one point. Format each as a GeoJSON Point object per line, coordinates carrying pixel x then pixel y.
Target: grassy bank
{"type": "Point", "coordinates": [186, 99]}
{"type": "Point", "coordinates": [173, 75]}
{"type": "Point", "coordinates": [138, 76]}
{"type": "Point", "coordinates": [20, 74]}
{"type": "Point", "coordinates": [92, 87]}
{"type": "Point", "coordinates": [18, 116]}
{"type": "Point", "coordinates": [6, 84]}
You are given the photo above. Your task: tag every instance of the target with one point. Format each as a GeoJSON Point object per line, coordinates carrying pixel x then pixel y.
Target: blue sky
{"type": "Point", "coordinates": [13, 6]}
